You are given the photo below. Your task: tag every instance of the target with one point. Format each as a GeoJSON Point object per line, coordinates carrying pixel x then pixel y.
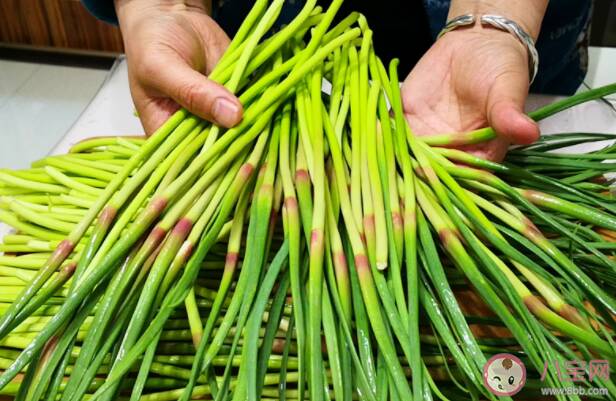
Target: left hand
{"type": "Point", "coordinates": [471, 78]}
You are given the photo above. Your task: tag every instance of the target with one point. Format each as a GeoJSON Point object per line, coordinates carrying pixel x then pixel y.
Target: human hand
{"type": "Point", "coordinates": [171, 46]}
{"type": "Point", "coordinates": [471, 78]}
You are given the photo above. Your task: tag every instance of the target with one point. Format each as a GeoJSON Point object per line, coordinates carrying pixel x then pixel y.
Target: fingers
{"type": "Point", "coordinates": [191, 90]}
{"type": "Point", "coordinates": [505, 109]}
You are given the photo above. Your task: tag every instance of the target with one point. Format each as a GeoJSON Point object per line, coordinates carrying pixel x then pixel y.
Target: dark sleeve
{"type": "Point", "coordinates": [563, 47]}
{"type": "Point", "coordinates": [102, 9]}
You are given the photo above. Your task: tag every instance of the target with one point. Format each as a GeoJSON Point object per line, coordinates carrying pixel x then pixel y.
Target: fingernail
{"type": "Point", "coordinates": [225, 112]}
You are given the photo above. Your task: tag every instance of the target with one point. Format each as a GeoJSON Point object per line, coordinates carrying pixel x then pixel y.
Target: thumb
{"type": "Point", "coordinates": [505, 109]}
{"type": "Point", "coordinates": [195, 92]}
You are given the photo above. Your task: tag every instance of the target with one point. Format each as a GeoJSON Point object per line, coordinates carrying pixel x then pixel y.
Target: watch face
{"type": "Point", "coordinates": [504, 375]}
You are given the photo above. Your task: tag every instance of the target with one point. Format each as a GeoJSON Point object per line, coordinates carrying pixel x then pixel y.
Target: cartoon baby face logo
{"type": "Point", "coordinates": [504, 375]}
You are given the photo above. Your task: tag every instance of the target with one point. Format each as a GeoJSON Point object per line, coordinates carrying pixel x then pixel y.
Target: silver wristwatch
{"type": "Point", "coordinates": [504, 24]}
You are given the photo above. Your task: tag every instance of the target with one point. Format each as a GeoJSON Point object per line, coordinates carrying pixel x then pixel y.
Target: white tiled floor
{"type": "Point", "coordinates": [38, 104]}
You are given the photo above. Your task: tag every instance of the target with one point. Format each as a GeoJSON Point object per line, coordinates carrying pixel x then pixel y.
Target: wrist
{"type": "Point", "coordinates": [526, 13]}
{"type": "Point", "coordinates": [480, 35]}
{"type": "Point", "coordinates": [493, 29]}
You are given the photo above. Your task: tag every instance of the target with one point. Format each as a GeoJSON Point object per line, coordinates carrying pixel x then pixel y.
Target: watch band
{"type": "Point", "coordinates": [504, 24]}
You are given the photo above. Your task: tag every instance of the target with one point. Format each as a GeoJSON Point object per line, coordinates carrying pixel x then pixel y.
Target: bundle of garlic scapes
{"type": "Point", "coordinates": [317, 250]}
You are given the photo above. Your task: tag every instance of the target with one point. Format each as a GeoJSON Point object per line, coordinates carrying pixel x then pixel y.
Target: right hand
{"type": "Point", "coordinates": [171, 46]}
